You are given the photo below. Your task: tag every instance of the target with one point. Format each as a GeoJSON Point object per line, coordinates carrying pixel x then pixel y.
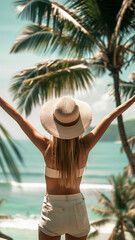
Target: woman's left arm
{"type": "Point", "coordinates": [93, 137]}
{"type": "Point", "coordinates": [39, 140]}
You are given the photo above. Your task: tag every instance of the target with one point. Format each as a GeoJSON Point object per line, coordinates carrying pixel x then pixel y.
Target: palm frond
{"type": "Point", "coordinates": [35, 38]}
{"type": "Point", "coordinates": [97, 224]}
{"type": "Point", "coordinates": [64, 13]}
{"type": "Point", "coordinates": [119, 196]}
{"type": "Point", "coordinates": [11, 143]}
{"type": "Point", "coordinates": [42, 38]}
{"type": "Point", "coordinates": [10, 162]}
{"type": "Point", "coordinates": [33, 86]}
{"type": "Point", "coordinates": [100, 222]}
{"type": "Point", "coordinates": [34, 10]}
{"type": "Point", "coordinates": [101, 18]}
{"type": "Point", "coordinates": [127, 88]}
{"type": "Point", "coordinates": [72, 23]}
{"type": "Point", "coordinates": [130, 228]}
{"type": "Point", "coordinates": [106, 202]}
{"type": "Point", "coordinates": [4, 236]}
{"type": "Point", "coordinates": [132, 192]}
{"type": "Point", "coordinates": [8, 157]}
{"type": "Point", "coordinates": [63, 18]}
{"type": "Point", "coordinates": [99, 63]}
{"type": "Point", "coordinates": [1, 163]}
{"type": "Point", "coordinates": [101, 211]}
{"type": "Point", "coordinates": [130, 214]}
{"type": "Point", "coordinates": [93, 234]}
{"type": "Point", "coordinates": [131, 205]}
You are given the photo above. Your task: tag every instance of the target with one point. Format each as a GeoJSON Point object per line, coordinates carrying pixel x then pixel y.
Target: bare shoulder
{"type": "Point", "coordinates": [88, 140]}
{"type": "Point", "coordinates": [84, 149]}
{"type": "Point", "coordinates": [47, 154]}
{"type": "Point", "coordinates": [44, 144]}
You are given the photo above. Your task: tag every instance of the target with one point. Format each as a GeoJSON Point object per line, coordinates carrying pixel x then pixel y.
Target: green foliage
{"type": "Point", "coordinates": [34, 10]}
{"type": "Point", "coordinates": [4, 236]}
{"type": "Point", "coordinates": [127, 88]}
{"type": "Point", "coordinates": [49, 78]}
{"type": "Point", "coordinates": [121, 206]}
{"type": "Point", "coordinates": [3, 216]}
{"type": "Point", "coordinates": [75, 29]}
{"type": "Point", "coordinates": [7, 157]}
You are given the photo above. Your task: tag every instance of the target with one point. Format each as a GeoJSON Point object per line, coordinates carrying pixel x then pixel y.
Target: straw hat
{"type": "Point", "coordinates": [65, 117]}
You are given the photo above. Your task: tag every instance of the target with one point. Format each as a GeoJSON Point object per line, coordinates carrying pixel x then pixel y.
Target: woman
{"type": "Point", "coordinates": [64, 209]}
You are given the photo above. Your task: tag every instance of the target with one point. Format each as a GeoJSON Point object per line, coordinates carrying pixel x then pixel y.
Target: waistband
{"type": "Point", "coordinates": [64, 197]}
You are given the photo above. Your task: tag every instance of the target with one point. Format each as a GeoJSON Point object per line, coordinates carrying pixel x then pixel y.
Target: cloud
{"type": "Point", "coordinates": [103, 103]}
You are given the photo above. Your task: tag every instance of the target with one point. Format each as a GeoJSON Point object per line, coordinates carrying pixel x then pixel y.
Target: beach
{"type": "Point", "coordinates": [24, 200]}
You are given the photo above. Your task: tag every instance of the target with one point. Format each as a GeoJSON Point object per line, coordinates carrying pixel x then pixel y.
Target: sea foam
{"type": "Point", "coordinates": [27, 185]}
{"type": "Point", "coordinates": [20, 222]}
{"type": "Point", "coordinates": [31, 223]}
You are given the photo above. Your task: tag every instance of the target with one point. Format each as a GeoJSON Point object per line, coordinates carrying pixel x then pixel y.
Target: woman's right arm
{"type": "Point", "coordinates": [93, 137]}
{"type": "Point", "coordinates": [39, 140]}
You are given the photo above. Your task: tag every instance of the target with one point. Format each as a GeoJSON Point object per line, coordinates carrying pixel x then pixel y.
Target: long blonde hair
{"type": "Point", "coordinates": [66, 158]}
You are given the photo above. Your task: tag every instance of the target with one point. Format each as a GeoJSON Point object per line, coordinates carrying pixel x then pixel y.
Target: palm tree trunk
{"type": "Point", "coordinates": [130, 156]}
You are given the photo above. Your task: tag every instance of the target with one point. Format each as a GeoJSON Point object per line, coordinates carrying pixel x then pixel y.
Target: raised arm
{"type": "Point", "coordinates": [39, 140]}
{"type": "Point", "coordinates": [93, 137]}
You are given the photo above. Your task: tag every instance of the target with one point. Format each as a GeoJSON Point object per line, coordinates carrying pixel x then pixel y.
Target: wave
{"type": "Point", "coordinates": [118, 141]}
{"type": "Point", "coordinates": [20, 222]}
{"type": "Point", "coordinates": [31, 223]}
{"type": "Point", "coordinates": [96, 186]}
{"type": "Point", "coordinates": [27, 185]}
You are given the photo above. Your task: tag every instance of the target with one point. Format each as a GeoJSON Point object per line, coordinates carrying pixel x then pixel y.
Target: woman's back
{"type": "Point", "coordinates": [52, 183]}
{"type": "Point", "coordinates": [64, 208]}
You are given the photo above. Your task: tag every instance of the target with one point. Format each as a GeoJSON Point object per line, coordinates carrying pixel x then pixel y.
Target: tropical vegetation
{"type": "Point", "coordinates": [128, 90]}
{"type": "Point", "coordinates": [95, 34]}
{"type": "Point", "coordinates": [4, 216]}
{"type": "Point", "coordinates": [121, 207]}
{"type": "Point", "coordinates": [6, 145]}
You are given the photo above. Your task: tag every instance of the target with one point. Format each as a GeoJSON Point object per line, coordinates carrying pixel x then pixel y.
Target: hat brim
{"type": "Point", "coordinates": [65, 132]}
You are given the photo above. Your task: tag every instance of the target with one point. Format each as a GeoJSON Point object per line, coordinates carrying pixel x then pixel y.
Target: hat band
{"type": "Point", "coordinates": [66, 124]}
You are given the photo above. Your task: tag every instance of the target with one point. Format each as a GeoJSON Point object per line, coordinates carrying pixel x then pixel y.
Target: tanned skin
{"type": "Point", "coordinates": [43, 143]}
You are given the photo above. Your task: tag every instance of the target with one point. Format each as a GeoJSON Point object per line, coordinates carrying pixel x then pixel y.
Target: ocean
{"type": "Point", "coordinates": [24, 200]}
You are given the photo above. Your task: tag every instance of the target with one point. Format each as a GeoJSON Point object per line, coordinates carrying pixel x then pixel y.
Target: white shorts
{"type": "Point", "coordinates": [64, 214]}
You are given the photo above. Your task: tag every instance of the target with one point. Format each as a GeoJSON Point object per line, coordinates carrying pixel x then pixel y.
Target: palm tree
{"type": "Point", "coordinates": [6, 155]}
{"type": "Point", "coordinates": [121, 206]}
{"type": "Point", "coordinates": [2, 216]}
{"type": "Point", "coordinates": [93, 33]}
{"type": "Point", "coordinates": [5, 237]}
{"type": "Point", "coordinates": [128, 90]}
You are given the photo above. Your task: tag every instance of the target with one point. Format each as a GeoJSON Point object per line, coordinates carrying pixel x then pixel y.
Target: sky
{"type": "Point", "coordinates": [100, 99]}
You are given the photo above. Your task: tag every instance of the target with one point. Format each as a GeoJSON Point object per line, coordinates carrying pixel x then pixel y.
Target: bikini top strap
{"type": "Point", "coordinates": [53, 173]}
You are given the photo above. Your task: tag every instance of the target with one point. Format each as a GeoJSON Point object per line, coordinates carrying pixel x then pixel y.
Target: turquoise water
{"type": "Point", "coordinates": [24, 200]}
